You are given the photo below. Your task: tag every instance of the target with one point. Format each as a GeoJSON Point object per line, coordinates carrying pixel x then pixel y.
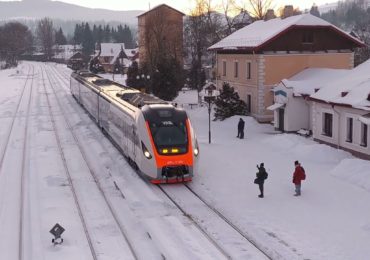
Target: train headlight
{"type": "Point", "coordinates": [196, 148]}
{"type": "Point", "coordinates": [145, 151]}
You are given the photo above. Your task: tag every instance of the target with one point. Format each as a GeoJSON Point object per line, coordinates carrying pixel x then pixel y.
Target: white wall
{"type": "Point", "coordinates": [340, 115]}
{"type": "Point", "coordinates": [297, 111]}
{"type": "Point", "coordinates": [297, 114]}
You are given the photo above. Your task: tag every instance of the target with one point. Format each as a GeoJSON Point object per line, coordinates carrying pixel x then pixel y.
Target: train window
{"type": "Point", "coordinates": [164, 113]}
{"type": "Point", "coordinates": [172, 135]}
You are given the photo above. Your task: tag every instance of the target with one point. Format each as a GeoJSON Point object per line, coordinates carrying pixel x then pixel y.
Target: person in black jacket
{"type": "Point", "coordinates": [261, 176]}
{"type": "Point", "coordinates": [241, 125]}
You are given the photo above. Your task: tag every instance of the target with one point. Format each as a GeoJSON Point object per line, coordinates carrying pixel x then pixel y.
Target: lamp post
{"type": "Point", "coordinates": [144, 80]}
{"type": "Point", "coordinates": [209, 98]}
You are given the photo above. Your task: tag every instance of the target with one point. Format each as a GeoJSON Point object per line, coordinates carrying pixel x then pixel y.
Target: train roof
{"type": "Point", "coordinates": [118, 92]}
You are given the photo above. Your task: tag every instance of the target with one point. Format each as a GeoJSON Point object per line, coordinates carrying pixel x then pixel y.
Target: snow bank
{"type": "Point", "coordinates": [354, 171]}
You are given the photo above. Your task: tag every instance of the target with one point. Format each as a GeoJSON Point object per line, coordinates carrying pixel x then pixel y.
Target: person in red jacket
{"type": "Point", "coordinates": [298, 176]}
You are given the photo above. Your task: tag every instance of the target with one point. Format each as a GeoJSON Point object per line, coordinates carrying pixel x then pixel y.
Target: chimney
{"type": "Point", "coordinates": [288, 11]}
{"type": "Point", "coordinates": [270, 14]}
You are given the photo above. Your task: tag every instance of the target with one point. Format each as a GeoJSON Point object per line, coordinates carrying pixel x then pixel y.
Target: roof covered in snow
{"type": "Point", "coordinates": [112, 50]}
{"type": "Point", "coordinates": [353, 88]}
{"type": "Point", "coordinates": [259, 32]}
{"type": "Point", "coordinates": [307, 81]}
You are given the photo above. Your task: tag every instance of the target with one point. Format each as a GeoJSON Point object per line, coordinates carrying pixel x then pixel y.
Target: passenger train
{"type": "Point", "coordinates": [155, 136]}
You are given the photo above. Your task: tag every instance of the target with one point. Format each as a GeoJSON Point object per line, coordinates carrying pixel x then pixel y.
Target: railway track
{"type": "Point", "coordinates": [214, 224]}
{"type": "Point", "coordinates": [93, 242]}
{"type": "Point", "coordinates": [229, 222]}
{"type": "Point", "coordinates": [12, 176]}
{"type": "Point", "coordinates": [14, 117]}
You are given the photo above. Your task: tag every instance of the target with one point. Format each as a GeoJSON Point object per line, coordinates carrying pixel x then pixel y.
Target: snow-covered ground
{"type": "Point", "coordinates": [124, 214]}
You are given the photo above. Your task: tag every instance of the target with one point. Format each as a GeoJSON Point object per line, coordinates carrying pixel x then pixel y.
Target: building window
{"type": "Point", "coordinates": [249, 103]}
{"type": "Point", "coordinates": [224, 68]}
{"type": "Point", "coordinates": [307, 37]}
{"type": "Point", "coordinates": [349, 129]}
{"type": "Point", "coordinates": [249, 67]}
{"type": "Point", "coordinates": [327, 126]}
{"type": "Point", "coordinates": [236, 69]}
{"type": "Point", "coordinates": [364, 134]}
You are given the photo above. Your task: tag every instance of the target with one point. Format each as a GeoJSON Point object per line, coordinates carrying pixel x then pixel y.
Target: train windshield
{"type": "Point", "coordinates": [169, 137]}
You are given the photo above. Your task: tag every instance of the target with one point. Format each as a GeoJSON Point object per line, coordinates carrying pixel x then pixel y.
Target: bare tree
{"type": "Point", "coordinates": [259, 8]}
{"type": "Point", "coordinates": [45, 34]}
{"type": "Point", "coordinates": [15, 39]}
{"type": "Point", "coordinates": [256, 8]}
{"type": "Point", "coordinates": [203, 27]}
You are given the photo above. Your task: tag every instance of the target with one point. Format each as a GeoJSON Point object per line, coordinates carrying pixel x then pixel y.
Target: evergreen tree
{"type": "Point", "coordinates": [88, 45]}
{"type": "Point", "coordinates": [228, 103]}
{"type": "Point", "coordinates": [127, 38]}
{"type": "Point", "coordinates": [107, 33]}
{"type": "Point", "coordinates": [132, 73]}
{"type": "Point", "coordinates": [60, 39]}
{"type": "Point", "coordinates": [167, 79]}
{"type": "Point", "coordinates": [78, 33]}
{"type": "Point", "coordinates": [99, 35]}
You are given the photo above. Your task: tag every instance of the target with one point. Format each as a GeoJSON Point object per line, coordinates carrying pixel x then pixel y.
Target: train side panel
{"type": "Point", "coordinates": [104, 107]}
{"type": "Point", "coordinates": [145, 165]}
{"type": "Point", "coordinates": [75, 88]}
{"type": "Point", "coordinates": [89, 98]}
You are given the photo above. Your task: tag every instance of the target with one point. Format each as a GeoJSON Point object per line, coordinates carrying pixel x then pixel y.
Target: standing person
{"type": "Point", "coordinates": [298, 176]}
{"type": "Point", "coordinates": [241, 125]}
{"type": "Point", "coordinates": [261, 176]}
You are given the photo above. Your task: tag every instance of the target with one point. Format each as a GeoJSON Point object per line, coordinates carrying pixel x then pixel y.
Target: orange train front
{"type": "Point", "coordinates": [169, 144]}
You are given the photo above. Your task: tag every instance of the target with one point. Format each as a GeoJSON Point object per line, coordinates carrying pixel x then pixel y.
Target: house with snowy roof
{"type": "Point", "coordinates": [257, 57]}
{"type": "Point", "coordinates": [341, 112]}
{"type": "Point", "coordinates": [291, 108]}
{"type": "Point", "coordinates": [111, 55]}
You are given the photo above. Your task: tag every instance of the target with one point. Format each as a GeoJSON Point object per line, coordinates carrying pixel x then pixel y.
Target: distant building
{"type": "Point", "coordinates": [77, 61]}
{"type": "Point", "coordinates": [257, 57]}
{"type": "Point", "coordinates": [292, 109]}
{"type": "Point", "coordinates": [160, 33]}
{"type": "Point", "coordinates": [112, 56]}
{"type": "Point", "coordinates": [64, 52]}
{"type": "Point", "coordinates": [341, 112]}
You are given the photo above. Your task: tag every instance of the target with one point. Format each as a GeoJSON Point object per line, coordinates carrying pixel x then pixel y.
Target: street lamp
{"type": "Point", "coordinates": [209, 97]}
{"type": "Point", "coordinates": [144, 80]}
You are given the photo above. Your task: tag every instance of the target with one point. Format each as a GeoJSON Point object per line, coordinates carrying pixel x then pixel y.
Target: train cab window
{"type": "Point", "coordinates": [169, 137]}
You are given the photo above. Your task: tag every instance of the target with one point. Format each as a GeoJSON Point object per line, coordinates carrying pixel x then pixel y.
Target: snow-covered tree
{"type": "Point", "coordinates": [228, 103]}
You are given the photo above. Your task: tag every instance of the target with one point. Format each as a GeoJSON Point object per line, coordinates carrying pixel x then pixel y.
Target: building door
{"type": "Point", "coordinates": [281, 119]}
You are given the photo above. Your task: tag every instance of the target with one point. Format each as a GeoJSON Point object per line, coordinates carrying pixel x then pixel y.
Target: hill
{"type": "Point", "coordinates": [36, 9]}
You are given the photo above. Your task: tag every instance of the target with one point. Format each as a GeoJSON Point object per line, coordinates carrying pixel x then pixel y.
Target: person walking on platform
{"type": "Point", "coordinates": [241, 125]}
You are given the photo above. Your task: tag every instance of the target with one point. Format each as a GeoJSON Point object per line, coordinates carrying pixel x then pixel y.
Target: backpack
{"type": "Point", "coordinates": [266, 175]}
{"type": "Point", "coordinates": [304, 173]}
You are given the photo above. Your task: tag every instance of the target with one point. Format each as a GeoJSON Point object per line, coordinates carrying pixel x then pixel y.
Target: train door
{"type": "Point", "coordinates": [133, 143]}
{"type": "Point", "coordinates": [125, 137]}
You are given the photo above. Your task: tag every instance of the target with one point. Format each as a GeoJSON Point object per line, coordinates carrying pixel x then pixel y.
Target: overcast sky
{"type": "Point", "coordinates": [182, 5]}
